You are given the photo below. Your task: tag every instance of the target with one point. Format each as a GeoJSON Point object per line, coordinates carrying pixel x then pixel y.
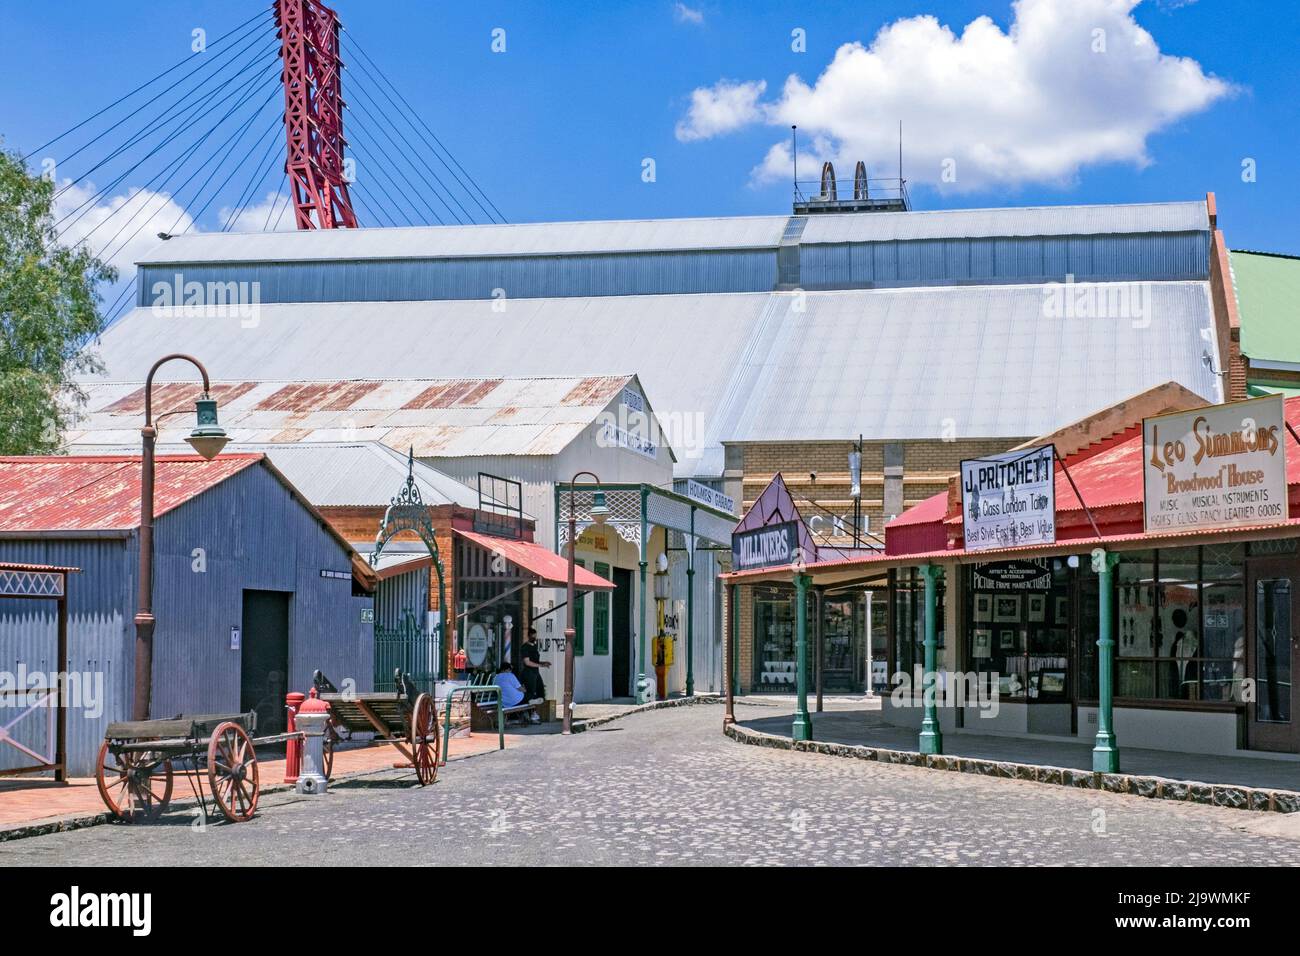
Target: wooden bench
{"type": "Point", "coordinates": [483, 715]}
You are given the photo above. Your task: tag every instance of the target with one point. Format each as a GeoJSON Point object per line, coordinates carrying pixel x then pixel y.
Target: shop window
{"type": "Point", "coordinates": [775, 662]}
{"type": "Point", "coordinates": [1179, 626]}
{"type": "Point", "coordinates": [909, 619]}
{"type": "Point", "coordinates": [600, 613]}
{"type": "Point", "coordinates": [1020, 636]}
{"type": "Point", "coordinates": [841, 647]}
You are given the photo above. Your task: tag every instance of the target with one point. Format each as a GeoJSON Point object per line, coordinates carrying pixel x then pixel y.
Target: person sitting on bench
{"type": "Point", "coordinates": [512, 692]}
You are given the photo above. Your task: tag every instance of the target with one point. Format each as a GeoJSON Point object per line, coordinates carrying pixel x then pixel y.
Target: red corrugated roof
{"type": "Point", "coordinates": [101, 493]}
{"type": "Point", "coordinates": [1108, 475]}
{"type": "Point", "coordinates": [551, 569]}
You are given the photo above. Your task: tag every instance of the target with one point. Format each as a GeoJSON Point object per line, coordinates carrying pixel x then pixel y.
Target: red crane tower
{"type": "Point", "coordinates": [313, 114]}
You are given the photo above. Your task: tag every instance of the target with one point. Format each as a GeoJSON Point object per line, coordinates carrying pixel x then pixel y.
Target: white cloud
{"type": "Point", "coordinates": [1070, 84]}
{"type": "Point", "coordinates": [684, 14]}
{"type": "Point", "coordinates": [117, 229]}
{"type": "Point", "coordinates": [721, 108]}
{"type": "Point", "coordinates": [255, 218]}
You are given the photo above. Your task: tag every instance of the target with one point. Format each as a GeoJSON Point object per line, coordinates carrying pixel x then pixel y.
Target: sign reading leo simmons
{"type": "Point", "coordinates": [1009, 499]}
{"type": "Point", "coordinates": [1221, 466]}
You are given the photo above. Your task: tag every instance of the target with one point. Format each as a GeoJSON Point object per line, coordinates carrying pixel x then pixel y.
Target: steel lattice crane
{"type": "Point", "coordinates": [313, 114]}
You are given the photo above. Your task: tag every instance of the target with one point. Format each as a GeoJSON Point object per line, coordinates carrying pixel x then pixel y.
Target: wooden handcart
{"type": "Point", "coordinates": [405, 718]}
{"type": "Point", "coordinates": [135, 769]}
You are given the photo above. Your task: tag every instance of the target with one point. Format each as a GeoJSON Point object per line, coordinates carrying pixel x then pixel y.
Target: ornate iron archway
{"type": "Point", "coordinates": [408, 512]}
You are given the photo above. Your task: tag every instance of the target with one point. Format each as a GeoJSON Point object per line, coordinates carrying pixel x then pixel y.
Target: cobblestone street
{"type": "Point", "coordinates": [667, 787]}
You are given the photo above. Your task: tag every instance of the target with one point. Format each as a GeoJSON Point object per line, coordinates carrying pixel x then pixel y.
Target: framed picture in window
{"type": "Point", "coordinates": [981, 642]}
{"type": "Point", "coordinates": [983, 608]}
{"type": "Point", "coordinates": [1006, 607]}
{"type": "Point", "coordinates": [1036, 608]}
{"type": "Point", "coordinates": [1006, 639]}
{"type": "Point", "coordinates": [1062, 610]}
{"type": "Point", "coordinates": [1052, 683]}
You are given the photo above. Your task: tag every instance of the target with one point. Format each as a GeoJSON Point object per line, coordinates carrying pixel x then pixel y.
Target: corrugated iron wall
{"type": "Point", "coordinates": [246, 533]}
{"type": "Point", "coordinates": [101, 640]}
{"type": "Point", "coordinates": [521, 277]}
{"type": "Point", "coordinates": [1175, 255]}
{"type": "Point", "coordinates": [1019, 259]}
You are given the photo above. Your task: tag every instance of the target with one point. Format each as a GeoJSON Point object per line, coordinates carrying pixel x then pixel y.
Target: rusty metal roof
{"type": "Point", "coordinates": [438, 417]}
{"type": "Point", "coordinates": [58, 493]}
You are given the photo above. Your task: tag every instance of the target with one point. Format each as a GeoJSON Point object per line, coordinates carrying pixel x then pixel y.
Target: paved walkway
{"type": "Point", "coordinates": [860, 723]}
{"type": "Point", "coordinates": [27, 801]}
{"type": "Point", "coordinates": [666, 787]}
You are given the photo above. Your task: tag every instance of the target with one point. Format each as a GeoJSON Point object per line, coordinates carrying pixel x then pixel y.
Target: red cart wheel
{"type": "Point", "coordinates": [232, 771]}
{"type": "Point", "coordinates": [135, 784]}
{"type": "Point", "coordinates": [424, 739]}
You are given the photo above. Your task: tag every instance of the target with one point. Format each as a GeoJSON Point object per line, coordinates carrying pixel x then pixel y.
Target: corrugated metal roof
{"type": "Point", "coordinates": [551, 569]}
{"type": "Point", "coordinates": [439, 418]}
{"type": "Point", "coordinates": [1268, 299]}
{"type": "Point", "coordinates": [1012, 221]}
{"type": "Point", "coordinates": [897, 364]}
{"type": "Point", "coordinates": [418, 242]}
{"type": "Point", "coordinates": [56, 493]}
{"type": "Point", "coordinates": [361, 474]}
{"type": "Point", "coordinates": [1107, 476]}
{"type": "Point", "coordinates": [672, 235]}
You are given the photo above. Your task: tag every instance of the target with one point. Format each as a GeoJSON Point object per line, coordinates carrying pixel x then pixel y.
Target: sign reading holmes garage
{"type": "Point", "coordinates": [764, 547]}
{"type": "Point", "coordinates": [1215, 467]}
{"type": "Point", "coordinates": [1009, 499]}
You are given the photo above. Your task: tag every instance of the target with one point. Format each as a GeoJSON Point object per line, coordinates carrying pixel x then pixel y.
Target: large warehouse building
{"type": "Point", "coordinates": [765, 344]}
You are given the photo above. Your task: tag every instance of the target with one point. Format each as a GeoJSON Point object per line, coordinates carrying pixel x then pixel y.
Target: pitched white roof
{"type": "Point", "coordinates": [971, 361]}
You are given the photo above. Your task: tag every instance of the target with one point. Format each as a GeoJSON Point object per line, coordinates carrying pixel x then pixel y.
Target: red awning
{"type": "Point", "coordinates": [550, 569]}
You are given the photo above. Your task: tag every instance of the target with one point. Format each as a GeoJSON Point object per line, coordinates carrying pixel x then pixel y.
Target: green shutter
{"type": "Point", "coordinates": [600, 615]}
{"type": "Point", "coordinates": [579, 618]}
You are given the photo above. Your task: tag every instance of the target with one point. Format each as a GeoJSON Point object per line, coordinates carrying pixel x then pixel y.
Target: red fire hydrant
{"type": "Point", "coordinates": [313, 717]}
{"type": "Point", "coordinates": [292, 748]}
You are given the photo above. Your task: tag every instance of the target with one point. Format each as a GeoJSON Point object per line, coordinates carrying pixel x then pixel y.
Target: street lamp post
{"type": "Point", "coordinates": [598, 514]}
{"type": "Point", "coordinates": [207, 439]}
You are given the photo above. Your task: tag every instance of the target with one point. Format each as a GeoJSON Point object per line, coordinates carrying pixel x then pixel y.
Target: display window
{"type": "Point", "coordinates": [1019, 633]}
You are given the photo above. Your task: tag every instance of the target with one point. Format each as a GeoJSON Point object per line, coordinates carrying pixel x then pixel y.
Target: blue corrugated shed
{"type": "Point", "coordinates": [248, 532]}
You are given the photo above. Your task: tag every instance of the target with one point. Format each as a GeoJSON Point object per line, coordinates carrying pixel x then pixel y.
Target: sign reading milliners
{"type": "Point", "coordinates": [1009, 499]}
{"type": "Point", "coordinates": [1216, 467]}
{"type": "Point", "coordinates": [764, 547]}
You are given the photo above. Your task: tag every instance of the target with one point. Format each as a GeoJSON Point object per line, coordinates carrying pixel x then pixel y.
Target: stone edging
{"type": "Point", "coordinates": [1159, 788]}
{"type": "Point", "coordinates": [580, 726]}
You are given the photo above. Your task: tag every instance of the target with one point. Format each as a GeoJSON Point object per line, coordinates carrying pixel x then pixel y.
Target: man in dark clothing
{"type": "Point", "coordinates": [530, 656]}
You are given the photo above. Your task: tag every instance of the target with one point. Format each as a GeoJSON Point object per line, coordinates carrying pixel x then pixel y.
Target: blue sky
{"type": "Point", "coordinates": [558, 126]}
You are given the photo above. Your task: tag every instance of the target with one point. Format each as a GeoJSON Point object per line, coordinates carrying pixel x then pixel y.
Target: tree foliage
{"type": "Point", "coordinates": [49, 315]}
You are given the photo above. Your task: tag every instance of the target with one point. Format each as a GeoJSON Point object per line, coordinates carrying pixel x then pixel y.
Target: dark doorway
{"type": "Point", "coordinates": [264, 660]}
{"type": "Point", "coordinates": [621, 637]}
{"type": "Point", "coordinates": [1273, 613]}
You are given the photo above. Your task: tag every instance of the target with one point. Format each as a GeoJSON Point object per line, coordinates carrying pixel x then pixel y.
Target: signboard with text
{"type": "Point", "coordinates": [1222, 466]}
{"type": "Point", "coordinates": [764, 547]}
{"type": "Point", "coordinates": [1009, 499]}
{"type": "Point", "coordinates": [709, 496]}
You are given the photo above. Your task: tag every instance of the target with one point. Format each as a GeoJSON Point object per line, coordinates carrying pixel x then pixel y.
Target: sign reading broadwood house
{"type": "Point", "coordinates": [764, 547]}
{"type": "Point", "coordinates": [1009, 499]}
{"type": "Point", "coordinates": [1216, 467]}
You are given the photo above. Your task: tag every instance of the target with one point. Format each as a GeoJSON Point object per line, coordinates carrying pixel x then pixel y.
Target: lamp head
{"type": "Point", "coordinates": [208, 437]}
{"type": "Point", "coordinates": [599, 510]}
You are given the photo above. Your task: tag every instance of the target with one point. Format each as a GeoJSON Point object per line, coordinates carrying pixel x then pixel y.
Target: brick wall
{"type": "Point", "coordinates": [927, 465]}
